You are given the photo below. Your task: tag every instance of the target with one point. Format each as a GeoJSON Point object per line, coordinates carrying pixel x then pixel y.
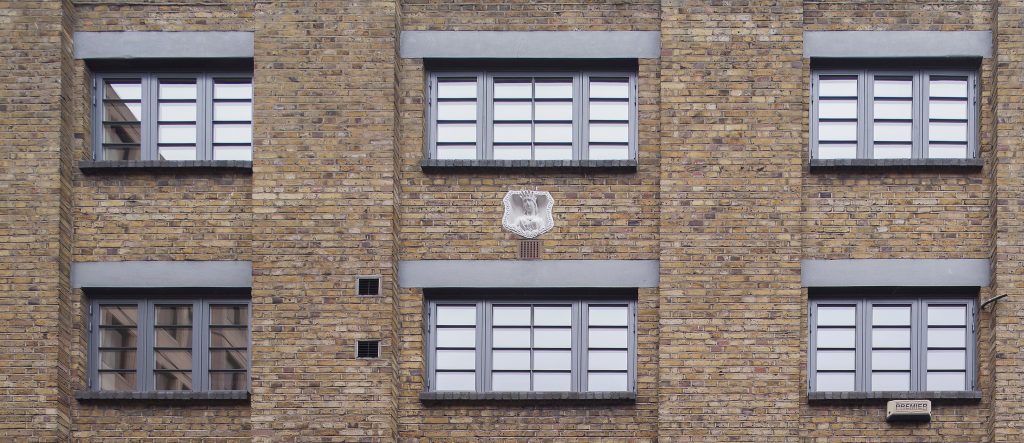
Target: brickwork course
{"type": "Point", "coordinates": [723, 196]}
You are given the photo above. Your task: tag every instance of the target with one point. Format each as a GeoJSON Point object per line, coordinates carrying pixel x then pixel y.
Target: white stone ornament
{"type": "Point", "coordinates": [528, 213]}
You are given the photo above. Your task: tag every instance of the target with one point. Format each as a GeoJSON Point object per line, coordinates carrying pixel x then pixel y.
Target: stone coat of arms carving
{"type": "Point", "coordinates": [528, 213]}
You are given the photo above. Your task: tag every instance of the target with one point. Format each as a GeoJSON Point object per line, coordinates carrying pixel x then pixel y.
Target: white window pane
{"type": "Point", "coordinates": [947, 381]}
{"type": "Point", "coordinates": [947, 359]}
{"type": "Point", "coordinates": [609, 152]}
{"type": "Point", "coordinates": [609, 89]}
{"type": "Point", "coordinates": [505, 89]}
{"type": "Point", "coordinates": [456, 337]}
{"type": "Point", "coordinates": [456, 89]}
{"type": "Point", "coordinates": [890, 315]}
{"type": "Point", "coordinates": [890, 360]}
{"type": "Point", "coordinates": [456, 359]}
{"type": "Point", "coordinates": [941, 109]}
{"type": "Point", "coordinates": [837, 338]}
{"type": "Point", "coordinates": [893, 110]}
{"type": "Point", "coordinates": [890, 381]}
{"type": "Point", "coordinates": [893, 132]}
{"type": "Point", "coordinates": [552, 315]}
{"type": "Point", "coordinates": [243, 153]}
{"type": "Point", "coordinates": [177, 152]}
{"type": "Point", "coordinates": [837, 87]}
{"type": "Point", "coordinates": [551, 382]}
{"type": "Point", "coordinates": [947, 88]}
{"type": "Point", "coordinates": [456, 315]}
{"type": "Point", "coordinates": [177, 112]}
{"type": "Point", "coordinates": [552, 360]}
{"type": "Point", "coordinates": [549, 133]}
{"type": "Point", "coordinates": [177, 91]}
{"type": "Point", "coordinates": [550, 89]}
{"type": "Point", "coordinates": [456, 132]}
{"type": "Point", "coordinates": [552, 338]}
{"type": "Point", "coordinates": [837, 131]}
{"type": "Point", "coordinates": [947, 315]}
{"type": "Point", "coordinates": [510, 381]}
{"type": "Point", "coordinates": [837, 315]}
{"type": "Point", "coordinates": [606, 381]}
{"type": "Point", "coordinates": [892, 151]}
{"type": "Point", "coordinates": [129, 90]}
{"type": "Point", "coordinates": [511, 315]}
{"type": "Point", "coordinates": [512, 152]}
{"type": "Point", "coordinates": [456, 152]}
{"type": "Point", "coordinates": [834, 381]}
{"type": "Point", "coordinates": [505, 360]}
{"type": "Point", "coordinates": [947, 132]}
{"type": "Point", "coordinates": [947, 337]}
{"type": "Point", "coordinates": [455, 381]}
{"type": "Point", "coordinates": [947, 151]}
{"type": "Point", "coordinates": [511, 337]}
{"type": "Point", "coordinates": [554, 110]}
{"type": "Point", "coordinates": [512, 133]}
{"type": "Point", "coordinates": [232, 133]}
{"type": "Point", "coordinates": [609, 111]}
{"type": "Point", "coordinates": [513, 111]}
{"type": "Point", "coordinates": [231, 111]}
{"type": "Point", "coordinates": [232, 90]}
{"type": "Point", "coordinates": [607, 360]}
{"type": "Point", "coordinates": [608, 315]}
{"type": "Point", "coordinates": [890, 338]}
{"type": "Point", "coordinates": [456, 111]}
{"type": "Point", "coordinates": [608, 338]}
{"type": "Point", "coordinates": [124, 112]}
{"type": "Point", "coordinates": [609, 132]}
{"type": "Point", "coordinates": [552, 153]}
{"type": "Point", "coordinates": [894, 88]}
{"type": "Point", "coordinates": [836, 151]}
{"type": "Point", "coordinates": [837, 109]}
{"type": "Point", "coordinates": [177, 133]}
{"type": "Point", "coordinates": [835, 360]}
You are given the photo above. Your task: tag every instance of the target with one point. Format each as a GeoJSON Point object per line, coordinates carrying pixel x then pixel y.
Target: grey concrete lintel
{"type": "Point", "coordinates": [136, 44]}
{"type": "Point", "coordinates": [528, 274]}
{"type": "Point", "coordinates": [530, 44]}
{"type": "Point", "coordinates": [895, 272]}
{"type": "Point", "coordinates": [883, 44]}
{"type": "Point", "coordinates": [162, 274]}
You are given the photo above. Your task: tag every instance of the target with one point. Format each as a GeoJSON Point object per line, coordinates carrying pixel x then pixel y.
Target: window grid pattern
{"type": "Point", "coordinates": [172, 347]}
{"type": "Point", "coordinates": [531, 347]}
{"type": "Point", "coordinates": [118, 347]}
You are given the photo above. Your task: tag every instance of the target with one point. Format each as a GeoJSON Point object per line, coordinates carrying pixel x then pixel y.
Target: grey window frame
{"type": "Point", "coordinates": [149, 129]}
{"type": "Point", "coordinates": [483, 328]}
{"type": "Point", "coordinates": [918, 338]}
{"type": "Point", "coordinates": [920, 111]}
{"type": "Point", "coordinates": [145, 341]}
{"type": "Point", "coordinates": [485, 107]}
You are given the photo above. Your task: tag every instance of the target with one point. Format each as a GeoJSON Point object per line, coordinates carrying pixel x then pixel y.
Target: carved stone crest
{"type": "Point", "coordinates": [528, 213]}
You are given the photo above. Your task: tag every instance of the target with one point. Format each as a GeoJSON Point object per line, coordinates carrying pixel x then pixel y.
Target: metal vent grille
{"type": "Point", "coordinates": [368, 349]}
{"type": "Point", "coordinates": [529, 249]}
{"type": "Point", "coordinates": [369, 286]}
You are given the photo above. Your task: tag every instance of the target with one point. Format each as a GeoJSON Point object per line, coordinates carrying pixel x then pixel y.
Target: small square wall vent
{"type": "Point", "coordinates": [368, 286]}
{"type": "Point", "coordinates": [529, 249]}
{"type": "Point", "coordinates": [368, 349]}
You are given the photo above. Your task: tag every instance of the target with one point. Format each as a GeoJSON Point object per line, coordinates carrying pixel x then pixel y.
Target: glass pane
{"type": "Point", "coordinates": [456, 111]}
{"type": "Point", "coordinates": [122, 153]}
{"type": "Point", "coordinates": [834, 381]}
{"type": "Point", "coordinates": [834, 151]}
{"type": "Point", "coordinates": [835, 360]}
{"type": "Point", "coordinates": [123, 90]}
{"type": "Point", "coordinates": [243, 153]}
{"type": "Point", "coordinates": [118, 338]}
{"type": "Point", "coordinates": [608, 338]}
{"type": "Point", "coordinates": [890, 315]}
{"type": "Point", "coordinates": [456, 152]}
{"type": "Point", "coordinates": [455, 381]}
{"type": "Point", "coordinates": [506, 360]}
{"type": "Point", "coordinates": [229, 338]}
{"type": "Point", "coordinates": [891, 151]}
{"type": "Point", "coordinates": [554, 110]}
{"type": "Point", "coordinates": [609, 111]}
{"type": "Point", "coordinates": [226, 359]}
{"type": "Point", "coordinates": [890, 338]}
{"type": "Point", "coordinates": [609, 89]}
{"type": "Point", "coordinates": [177, 90]}
{"type": "Point", "coordinates": [456, 315]}
{"type": "Point", "coordinates": [513, 111]}
{"type": "Point", "coordinates": [552, 382]}
{"type": "Point", "coordinates": [232, 90]}
{"type": "Point", "coordinates": [609, 132]}
{"type": "Point", "coordinates": [893, 110]}
{"type": "Point", "coordinates": [232, 111]}
{"type": "Point", "coordinates": [890, 360]}
{"type": "Point", "coordinates": [117, 381]}
{"type": "Point", "coordinates": [940, 109]}
{"type": "Point", "coordinates": [237, 315]}
{"type": "Point", "coordinates": [511, 315]}
{"type": "Point", "coordinates": [166, 359]}
{"type": "Point", "coordinates": [604, 381]}
{"type": "Point", "coordinates": [837, 131]}
{"type": "Point", "coordinates": [456, 89]}
{"type": "Point", "coordinates": [552, 316]}
{"type": "Point", "coordinates": [607, 360]}
{"type": "Point", "coordinates": [837, 109]}
{"type": "Point", "coordinates": [947, 381]}
{"type": "Point", "coordinates": [122, 112]}
{"type": "Point", "coordinates": [896, 132]}
{"type": "Point", "coordinates": [945, 359]}
{"type": "Point", "coordinates": [510, 381]}
{"type": "Point", "coordinates": [553, 89]}
{"type": "Point", "coordinates": [947, 338]}
{"type": "Point", "coordinates": [836, 338]}
{"type": "Point", "coordinates": [890, 381]}
{"type": "Point", "coordinates": [552, 360]}
{"type": "Point", "coordinates": [117, 360]}
{"type": "Point", "coordinates": [456, 132]}
{"type": "Point", "coordinates": [836, 315]}
{"type": "Point", "coordinates": [894, 88]}
{"type": "Point", "coordinates": [118, 315]}
{"type": "Point", "coordinates": [456, 359]}
{"type": "Point", "coordinates": [608, 316]}
{"type": "Point", "coordinates": [952, 132]}
{"type": "Point", "coordinates": [837, 87]}
{"type": "Point", "coordinates": [232, 133]}
{"type": "Point", "coordinates": [947, 151]}
{"type": "Point", "coordinates": [180, 315]}
{"type": "Point", "coordinates": [553, 133]}
{"type": "Point", "coordinates": [511, 337]}
{"type": "Point", "coordinates": [126, 133]}
{"type": "Point", "coordinates": [173, 381]}
{"type": "Point", "coordinates": [513, 152]}
{"type": "Point", "coordinates": [456, 337]}
{"type": "Point", "coordinates": [609, 152]}
{"type": "Point", "coordinates": [173, 337]}
{"type": "Point", "coordinates": [177, 134]}
{"type": "Point", "coordinates": [177, 152]}
{"type": "Point", "coordinates": [947, 315]}
{"type": "Point", "coordinates": [512, 133]}
{"type": "Point", "coordinates": [512, 89]}
{"type": "Point", "coordinates": [227, 381]}
{"type": "Point", "coordinates": [947, 88]}
{"type": "Point", "coordinates": [553, 153]}
{"type": "Point", "coordinates": [552, 338]}
{"type": "Point", "coordinates": [177, 112]}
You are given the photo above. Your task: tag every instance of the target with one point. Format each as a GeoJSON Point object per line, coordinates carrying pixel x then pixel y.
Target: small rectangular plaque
{"type": "Point", "coordinates": [908, 410]}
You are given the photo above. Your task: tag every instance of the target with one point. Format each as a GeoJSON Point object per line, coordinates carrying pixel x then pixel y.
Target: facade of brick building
{"type": "Point", "coordinates": [718, 226]}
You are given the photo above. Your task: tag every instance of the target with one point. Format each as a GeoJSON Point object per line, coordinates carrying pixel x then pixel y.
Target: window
{"type": "Point", "coordinates": [499, 345]}
{"type": "Point", "coordinates": [883, 344]}
{"type": "Point", "coordinates": [894, 114]}
{"type": "Point", "coordinates": [173, 116]}
{"type": "Point", "coordinates": [169, 345]}
{"type": "Point", "coordinates": [506, 115]}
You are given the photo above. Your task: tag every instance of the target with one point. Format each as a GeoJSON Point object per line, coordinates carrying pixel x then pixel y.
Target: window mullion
{"type": "Point", "coordinates": [919, 134]}
{"type": "Point", "coordinates": [485, 116]}
{"type": "Point", "coordinates": [865, 128]}
{"type": "Point", "coordinates": [581, 104]}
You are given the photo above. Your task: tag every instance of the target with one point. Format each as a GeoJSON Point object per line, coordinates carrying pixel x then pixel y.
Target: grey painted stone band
{"type": "Point", "coordinates": [528, 274]}
{"type": "Point", "coordinates": [530, 44]}
{"type": "Point", "coordinates": [131, 45]}
{"type": "Point", "coordinates": [895, 272]}
{"type": "Point", "coordinates": [877, 44]}
{"type": "Point", "coordinates": [162, 274]}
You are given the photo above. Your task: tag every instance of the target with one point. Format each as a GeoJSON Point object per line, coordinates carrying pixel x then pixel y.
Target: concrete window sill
{"type": "Point", "coordinates": [607, 397]}
{"type": "Point", "coordinates": [213, 396]}
{"type": "Point", "coordinates": [942, 396]}
{"type": "Point", "coordinates": [430, 165]}
{"type": "Point", "coordinates": [864, 164]}
{"type": "Point", "coordinates": [107, 166]}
